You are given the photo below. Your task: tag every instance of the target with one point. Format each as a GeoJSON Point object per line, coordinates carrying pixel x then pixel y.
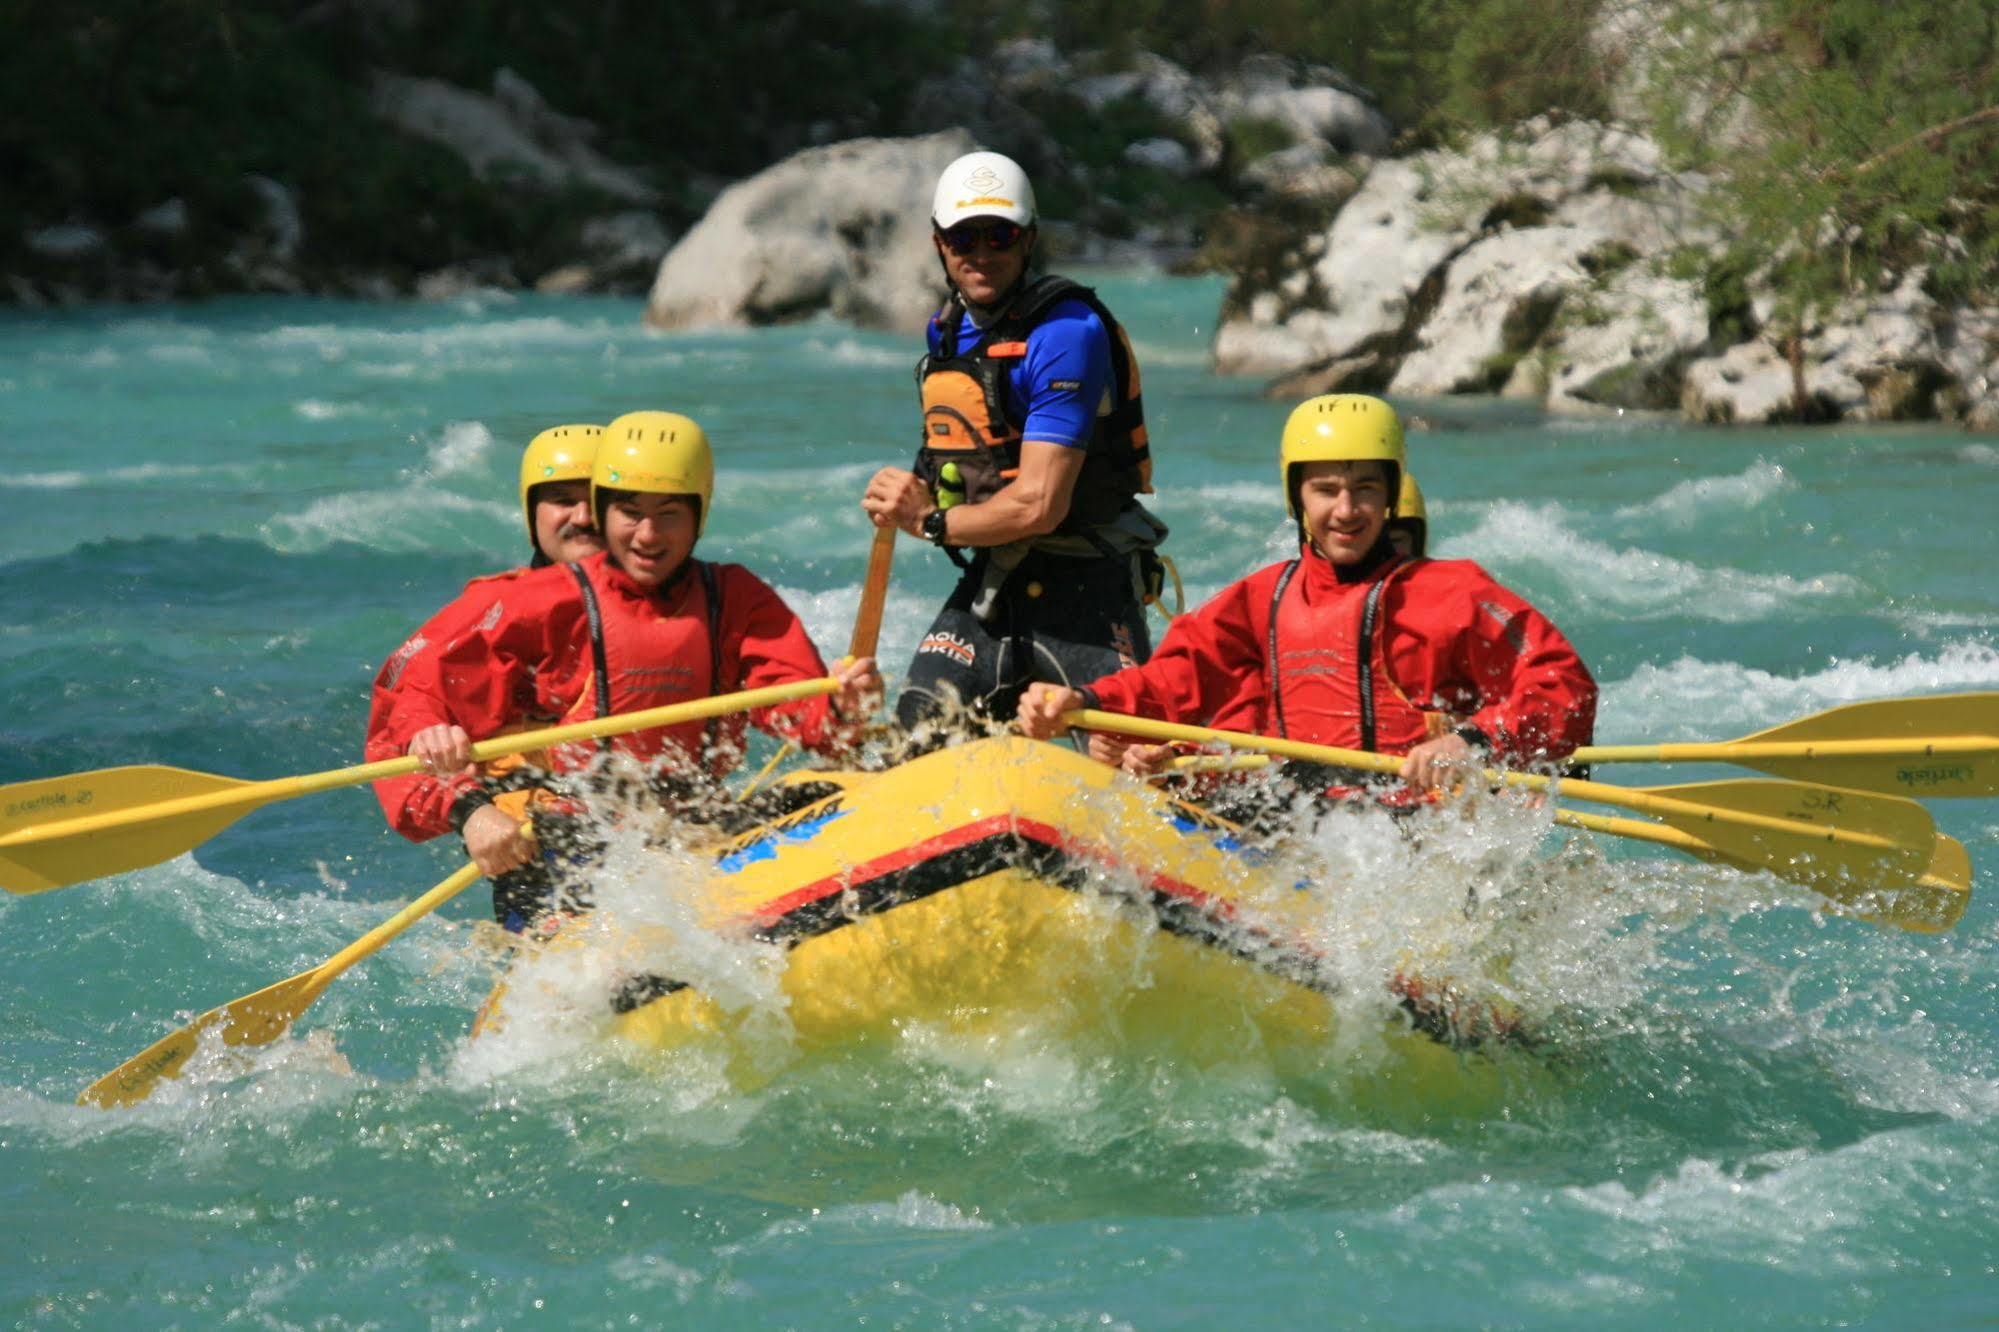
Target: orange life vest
{"type": "Point", "coordinates": [965, 417]}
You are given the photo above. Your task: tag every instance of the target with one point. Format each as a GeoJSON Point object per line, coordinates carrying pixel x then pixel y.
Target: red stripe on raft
{"type": "Point", "coordinates": [998, 824]}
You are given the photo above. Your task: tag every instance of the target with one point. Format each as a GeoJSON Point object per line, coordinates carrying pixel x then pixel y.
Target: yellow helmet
{"type": "Point", "coordinates": [560, 453]}
{"type": "Point", "coordinates": [1339, 427]}
{"type": "Point", "coordinates": [654, 453]}
{"type": "Point", "coordinates": [1410, 515]}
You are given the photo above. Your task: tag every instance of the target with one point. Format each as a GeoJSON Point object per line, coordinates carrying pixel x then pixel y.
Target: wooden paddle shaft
{"type": "Point", "coordinates": [874, 595]}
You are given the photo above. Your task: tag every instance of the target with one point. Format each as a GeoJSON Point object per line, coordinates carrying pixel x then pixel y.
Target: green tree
{"type": "Point", "coordinates": [1849, 143]}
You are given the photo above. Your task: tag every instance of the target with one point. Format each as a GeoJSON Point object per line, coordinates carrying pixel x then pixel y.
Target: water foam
{"type": "Point", "coordinates": [1635, 584]}
{"type": "Point", "coordinates": [1689, 501]}
{"type": "Point", "coordinates": [852, 351]}
{"type": "Point", "coordinates": [648, 918]}
{"type": "Point", "coordinates": [416, 518]}
{"type": "Point", "coordinates": [1688, 698]}
{"type": "Point", "coordinates": [143, 472]}
{"type": "Point", "coordinates": [461, 448]}
{"type": "Point", "coordinates": [316, 409]}
{"type": "Point", "coordinates": [337, 341]}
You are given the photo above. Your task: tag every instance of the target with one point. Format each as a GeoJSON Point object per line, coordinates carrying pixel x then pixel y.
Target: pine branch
{"type": "Point", "coordinates": [1928, 138]}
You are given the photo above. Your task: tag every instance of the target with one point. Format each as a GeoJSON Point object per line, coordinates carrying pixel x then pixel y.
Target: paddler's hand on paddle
{"type": "Point", "coordinates": [1041, 707]}
{"type": "Point", "coordinates": [895, 498]}
{"type": "Point", "coordinates": [444, 750]}
{"type": "Point", "coordinates": [1136, 759]}
{"type": "Point", "coordinates": [860, 690]}
{"type": "Point", "coordinates": [495, 842]}
{"type": "Point", "coordinates": [1439, 763]}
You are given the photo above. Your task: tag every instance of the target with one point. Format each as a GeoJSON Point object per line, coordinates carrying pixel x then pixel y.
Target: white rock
{"type": "Point", "coordinates": [628, 238]}
{"type": "Point", "coordinates": [1413, 215]}
{"type": "Point", "coordinates": [843, 229]}
{"type": "Point", "coordinates": [1746, 384]}
{"type": "Point", "coordinates": [1167, 155]}
{"type": "Point", "coordinates": [67, 240]}
{"type": "Point", "coordinates": [1498, 298]}
{"type": "Point", "coordinates": [166, 219]}
{"type": "Point", "coordinates": [1626, 346]}
{"type": "Point", "coordinates": [509, 136]}
{"type": "Point", "coordinates": [1299, 172]}
{"type": "Point", "coordinates": [283, 224]}
{"type": "Point", "coordinates": [1275, 90]}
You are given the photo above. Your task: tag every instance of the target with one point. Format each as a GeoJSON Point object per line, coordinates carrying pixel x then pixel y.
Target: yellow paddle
{"type": "Point", "coordinates": [1942, 745]}
{"type": "Point", "coordinates": [1852, 846]}
{"type": "Point", "coordinates": [1930, 905]}
{"type": "Point", "coordinates": [260, 1018]}
{"type": "Point", "coordinates": [63, 830]}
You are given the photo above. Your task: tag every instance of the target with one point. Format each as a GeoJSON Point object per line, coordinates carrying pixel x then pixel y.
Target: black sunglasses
{"type": "Point", "coordinates": [998, 236]}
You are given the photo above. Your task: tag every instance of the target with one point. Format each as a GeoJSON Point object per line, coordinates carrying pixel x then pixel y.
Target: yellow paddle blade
{"type": "Point", "coordinates": [35, 867]}
{"type": "Point", "coordinates": [1945, 745]}
{"type": "Point", "coordinates": [1927, 730]}
{"type": "Point", "coordinates": [1931, 904]}
{"type": "Point", "coordinates": [1845, 844]}
{"type": "Point", "coordinates": [260, 1018]}
{"type": "Point", "coordinates": [62, 830]}
{"type": "Point", "coordinates": [255, 1019]}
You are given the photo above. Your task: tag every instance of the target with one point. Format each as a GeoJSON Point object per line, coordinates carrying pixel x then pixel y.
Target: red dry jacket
{"type": "Point", "coordinates": [1444, 645]}
{"type": "Point", "coordinates": [519, 655]}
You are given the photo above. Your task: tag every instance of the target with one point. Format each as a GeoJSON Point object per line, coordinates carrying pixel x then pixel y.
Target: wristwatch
{"type": "Point", "coordinates": [933, 527]}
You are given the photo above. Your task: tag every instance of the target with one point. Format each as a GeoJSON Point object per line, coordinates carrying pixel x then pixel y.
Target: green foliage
{"type": "Point", "coordinates": [1845, 140]}
{"type": "Point", "coordinates": [1506, 60]}
{"type": "Point", "coordinates": [1251, 137]}
{"type": "Point", "coordinates": [1433, 65]}
{"type": "Point", "coordinates": [112, 107]}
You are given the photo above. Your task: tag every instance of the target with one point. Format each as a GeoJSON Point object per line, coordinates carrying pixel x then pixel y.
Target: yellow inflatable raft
{"type": "Point", "coordinates": [1005, 884]}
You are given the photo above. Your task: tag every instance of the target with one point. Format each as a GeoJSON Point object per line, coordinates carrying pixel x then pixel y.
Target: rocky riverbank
{"type": "Point", "coordinates": [1562, 261]}
{"type": "Point", "coordinates": [1553, 263]}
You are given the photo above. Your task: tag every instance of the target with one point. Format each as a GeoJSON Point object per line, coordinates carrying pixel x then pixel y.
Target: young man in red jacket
{"type": "Point", "coordinates": [1353, 644]}
{"type": "Point", "coordinates": [642, 625]}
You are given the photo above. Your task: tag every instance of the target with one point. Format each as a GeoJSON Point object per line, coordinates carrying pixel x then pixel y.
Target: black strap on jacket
{"type": "Point", "coordinates": [1276, 681]}
{"type": "Point", "coordinates": [595, 614]}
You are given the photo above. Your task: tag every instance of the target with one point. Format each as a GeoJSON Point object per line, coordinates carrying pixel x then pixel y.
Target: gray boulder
{"type": "Point", "coordinates": [511, 135]}
{"type": "Point", "coordinates": [1316, 104]}
{"type": "Point", "coordinates": [1896, 356]}
{"type": "Point", "coordinates": [1446, 265]}
{"type": "Point", "coordinates": [842, 230]}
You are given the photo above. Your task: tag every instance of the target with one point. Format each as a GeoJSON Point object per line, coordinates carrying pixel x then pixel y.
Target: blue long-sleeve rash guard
{"type": "Point", "coordinates": [1055, 390]}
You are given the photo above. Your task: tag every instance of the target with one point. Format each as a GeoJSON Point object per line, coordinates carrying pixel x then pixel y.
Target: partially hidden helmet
{"type": "Point", "coordinates": [654, 453]}
{"type": "Point", "coordinates": [560, 453]}
{"type": "Point", "coordinates": [982, 184]}
{"type": "Point", "coordinates": [1410, 515]}
{"type": "Point", "coordinates": [1340, 427]}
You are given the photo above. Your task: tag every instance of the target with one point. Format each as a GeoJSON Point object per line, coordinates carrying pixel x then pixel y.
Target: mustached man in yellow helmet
{"type": "Point", "coordinates": [555, 501]}
{"type": "Point", "coordinates": [1353, 643]}
{"type": "Point", "coordinates": [643, 624]}
{"type": "Point", "coordinates": [1033, 455]}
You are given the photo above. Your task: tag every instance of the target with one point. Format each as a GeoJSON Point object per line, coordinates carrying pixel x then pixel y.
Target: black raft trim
{"type": "Point", "coordinates": [1173, 912]}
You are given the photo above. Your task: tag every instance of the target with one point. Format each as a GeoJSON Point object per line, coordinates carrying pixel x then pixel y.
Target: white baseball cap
{"type": "Point", "coordinates": [983, 185]}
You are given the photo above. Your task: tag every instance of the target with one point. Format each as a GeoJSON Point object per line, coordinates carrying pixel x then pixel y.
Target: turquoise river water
{"type": "Point", "coordinates": [219, 519]}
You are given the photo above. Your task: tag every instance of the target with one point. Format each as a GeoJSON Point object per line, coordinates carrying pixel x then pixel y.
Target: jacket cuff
{"type": "Point", "coordinates": [1475, 737]}
{"type": "Point", "coordinates": [470, 802]}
